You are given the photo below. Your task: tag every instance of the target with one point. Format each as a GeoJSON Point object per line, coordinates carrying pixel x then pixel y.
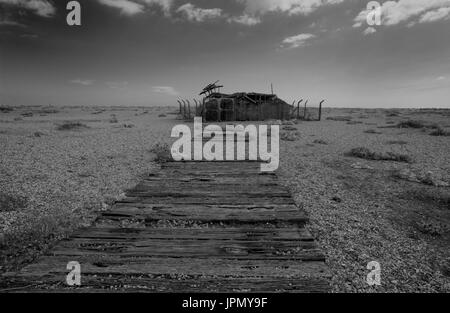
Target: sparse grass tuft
{"type": "Point", "coordinates": [320, 142]}
{"type": "Point", "coordinates": [397, 142]}
{"type": "Point", "coordinates": [288, 127]}
{"type": "Point", "coordinates": [162, 153]}
{"type": "Point", "coordinates": [372, 131]}
{"type": "Point", "coordinates": [289, 136]}
{"type": "Point", "coordinates": [340, 118]}
{"type": "Point", "coordinates": [47, 110]}
{"type": "Point", "coordinates": [5, 109]}
{"type": "Point", "coordinates": [71, 125]}
{"type": "Point", "coordinates": [432, 228]}
{"type": "Point", "coordinates": [416, 124]}
{"type": "Point", "coordinates": [38, 134]}
{"type": "Point", "coordinates": [365, 153]}
{"type": "Point", "coordinates": [9, 202]}
{"type": "Point", "coordinates": [439, 132]}
{"type": "Point", "coordinates": [392, 113]}
{"type": "Point", "coordinates": [113, 119]}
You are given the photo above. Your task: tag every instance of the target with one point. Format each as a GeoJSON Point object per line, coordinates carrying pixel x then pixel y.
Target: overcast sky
{"type": "Point", "coordinates": [152, 52]}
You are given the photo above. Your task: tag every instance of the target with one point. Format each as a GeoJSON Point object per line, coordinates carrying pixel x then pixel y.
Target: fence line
{"type": "Point", "coordinates": [188, 114]}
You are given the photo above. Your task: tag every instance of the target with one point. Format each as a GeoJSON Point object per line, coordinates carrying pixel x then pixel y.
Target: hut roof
{"type": "Point", "coordinates": [253, 97]}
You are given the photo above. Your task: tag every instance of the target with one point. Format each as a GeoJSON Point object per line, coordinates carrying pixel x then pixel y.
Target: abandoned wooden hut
{"type": "Point", "coordinates": [244, 107]}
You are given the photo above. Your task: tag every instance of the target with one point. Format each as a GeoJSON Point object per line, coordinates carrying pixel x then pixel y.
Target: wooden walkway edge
{"type": "Point", "coordinates": [191, 227]}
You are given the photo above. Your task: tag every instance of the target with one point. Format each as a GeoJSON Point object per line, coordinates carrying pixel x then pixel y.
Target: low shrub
{"type": "Point", "coordinates": [397, 142]}
{"type": "Point", "coordinates": [289, 136]}
{"type": "Point", "coordinates": [10, 202]}
{"type": "Point", "coordinates": [439, 132]}
{"type": "Point", "coordinates": [340, 118]}
{"type": "Point", "coordinates": [415, 124]}
{"type": "Point", "coordinates": [372, 131]}
{"type": "Point", "coordinates": [365, 153]}
{"type": "Point", "coordinates": [162, 153]}
{"type": "Point", "coordinates": [5, 109]}
{"type": "Point", "coordinates": [113, 119]}
{"type": "Point", "coordinates": [71, 125]}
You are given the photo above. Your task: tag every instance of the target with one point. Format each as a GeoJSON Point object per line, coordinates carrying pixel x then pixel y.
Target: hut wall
{"type": "Point", "coordinates": [228, 109]}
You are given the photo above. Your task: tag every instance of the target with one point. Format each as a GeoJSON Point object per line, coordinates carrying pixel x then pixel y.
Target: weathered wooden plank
{"type": "Point", "coordinates": [231, 167]}
{"type": "Point", "coordinates": [223, 179]}
{"type": "Point", "coordinates": [234, 249]}
{"type": "Point", "coordinates": [167, 284]}
{"type": "Point", "coordinates": [217, 233]}
{"type": "Point", "coordinates": [225, 252]}
{"type": "Point", "coordinates": [206, 206]}
{"type": "Point", "coordinates": [208, 215]}
{"type": "Point", "coordinates": [243, 246]}
{"type": "Point", "coordinates": [161, 193]}
{"type": "Point", "coordinates": [177, 266]}
{"type": "Point", "coordinates": [209, 188]}
{"type": "Point", "coordinates": [261, 201]}
{"type": "Point", "coordinates": [211, 175]}
{"type": "Point", "coordinates": [248, 164]}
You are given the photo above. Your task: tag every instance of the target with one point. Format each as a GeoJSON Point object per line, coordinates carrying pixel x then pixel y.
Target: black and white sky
{"type": "Point", "coordinates": [153, 52]}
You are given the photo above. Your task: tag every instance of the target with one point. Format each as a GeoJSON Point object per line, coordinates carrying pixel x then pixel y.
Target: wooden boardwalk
{"type": "Point", "coordinates": [192, 227]}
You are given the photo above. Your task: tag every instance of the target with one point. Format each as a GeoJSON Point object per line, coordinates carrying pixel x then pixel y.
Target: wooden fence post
{"type": "Point", "coordinates": [203, 110]}
{"type": "Point", "coordinates": [179, 102]}
{"type": "Point", "coordinates": [320, 109]}
{"type": "Point", "coordinates": [184, 109]}
{"type": "Point", "coordinates": [279, 110]}
{"type": "Point", "coordinates": [189, 109]}
{"type": "Point", "coordinates": [298, 108]}
{"type": "Point", "coordinates": [304, 112]}
{"type": "Point", "coordinates": [292, 112]}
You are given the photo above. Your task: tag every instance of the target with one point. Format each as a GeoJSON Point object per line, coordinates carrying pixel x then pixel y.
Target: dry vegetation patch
{"type": "Point", "coordinates": [162, 153]}
{"type": "Point", "coordinates": [396, 142]}
{"type": "Point", "coordinates": [372, 131]}
{"type": "Point", "coordinates": [71, 125]}
{"type": "Point", "coordinates": [47, 110]}
{"type": "Point", "coordinates": [392, 113]}
{"type": "Point", "coordinates": [113, 119]}
{"type": "Point", "coordinates": [320, 142]}
{"type": "Point", "coordinates": [416, 124]}
{"type": "Point", "coordinates": [5, 109]}
{"type": "Point", "coordinates": [340, 118]}
{"type": "Point", "coordinates": [10, 202]}
{"type": "Point", "coordinates": [440, 132]}
{"type": "Point", "coordinates": [290, 136]}
{"type": "Point", "coordinates": [366, 153]}
{"type": "Point", "coordinates": [428, 178]}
